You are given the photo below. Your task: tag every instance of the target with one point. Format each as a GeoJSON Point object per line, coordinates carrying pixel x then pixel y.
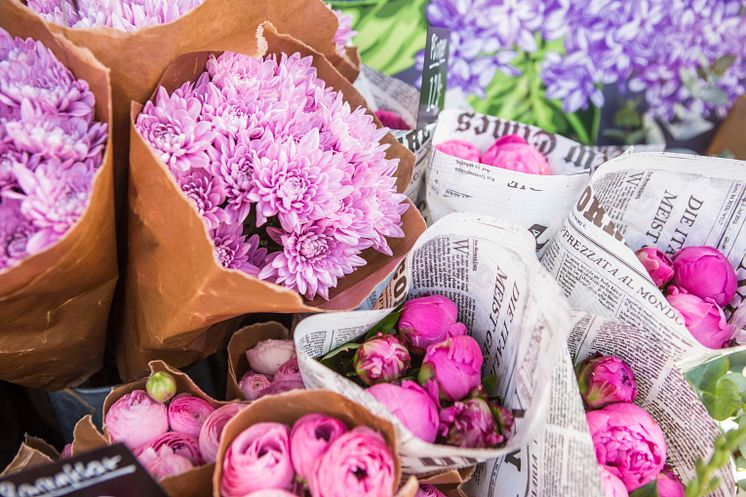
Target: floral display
{"type": "Point", "coordinates": [291, 182]}
{"type": "Point", "coordinates": [604, 380]}
{"type": "Point", "coordinates": [658, 265]}
{"type": "Point", "coordinates": [50, 148]}
{"type": "Point", "coordinates": [508, 152]}
{"type": "Point", "coordinates": [273, 369]}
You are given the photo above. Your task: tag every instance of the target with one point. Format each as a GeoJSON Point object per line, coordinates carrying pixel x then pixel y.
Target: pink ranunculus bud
{"type": "Point", "coordinates": [382, 359]}
{"type": "Point", "coordinates": [706, 273]}
{"type": "Point", "coordinates": [459, 148]}
{"type": "Point", "coordinates": [604, 380]}
{"type": "Point", "coordinates": [257, 459]}
{"type": "Point", "coordinates": [391, 120]}
{"type": "Point", "coordinates": [277, 387]}
{"type": "Point", "coordinates": [267, 356]}
{"type": "Point", "coordinates": [428, 491]}
{"type": "Point", "coordinates": [252, 384]}
{"type": "Point", "coordinates": [470, 424]}
{"type": "Point", "coordinates": [669, 484]}
{"type": "Point", "coordinates": [428, 320]}
{"type": "Point", "coordinates": [358, 463]}
{"type": "Point", "coordinates": [180, 443]}
{"type": "Point", "coordinates": [163, 463]}
{"type": "Point", "coordinates": [658, 265]}
{"type": "Point", "coordinates": [67, 451]}
{"type": "Point", "coordinates": [310, 438]}
{"type": "Point", "coordinates": [161, 386]}
{"type": "Point", "coordinates": [703, 318]}
{"type": "Point", "coordinates": [456, 366]}
{"type": "Point", "coordinates": [513, 152]}
{"type": "Point", "coordinates": [187, 413]}
{"type": "Point", "coordinates": [209, 435]}
{"type": "Point", "coordinates": [411, 405]}
{"type": "Point", "coordinates": [612, 485]}
{"type": "Point", "coordinates": [288, 371]}
{"type": "Point", "coordinates": [628, 442]}
{"type": "Point", "coordinates": [135, 419]}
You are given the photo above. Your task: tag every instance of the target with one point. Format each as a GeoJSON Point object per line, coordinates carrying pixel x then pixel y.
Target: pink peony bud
{"type": "Point", "coordinates": [278, 387]}
{"type": "Point", "coordinates": [187, 413]}
{"type": "Point", "coordinates": [704, 319]}
{"type": "Point", "coordinates": [381, 359]}
{"type": "Point", "coordinates": [253, 383]}
{"type": "Point", "coordinates": [257, 459]}
{"type": "Point", "coordinates": [161, 386]}
{"type": "Point", "coordinates": [604, 380]}
{"type": "Point", "coordinates": [209, 435]}
{"type": "Point", "coordinates": [391, 120]}
{"type": "Point", "coordinates": [628, 442]}
{"type": "Point", "coordinates": [612, 485]}
{"type": "Point", "coordinates": [311, 436]}
{"type": "Point", "coordinates": [513, 152]}
{"type": "Point", "coordinates": [504, 420]}
{"type": "Point", "coordinates": [470, 424]}
{"type": "Point", "coordinates": [658, 265]}
{"type": "Point", "coordinates": [455, 365]}
{"type": "Point", "coordinates": [428, 320]}
{"type": "Point", "coordinates": [288, 372]}
{"type": "Point", "coordinates": [267, 356]}
{"type": "Point", "coordinates": [358, 463]}
{"type": "Point", "coordinates": [460, 149]}
{"type": "Point", "coordinates": [706, 273]}
{"type": "Point", "coordinates": [135, 419]}
{"type": "Point", "coordinates": [163, 463]}
{"type": "Point", "coordinates": [428, 491]}
{"type": "Point", "coordinates": [411, 405]}
{"type": "Point", "coordinates": [669, 484]}
{"type": "Point", "coordinates": [180, 444]}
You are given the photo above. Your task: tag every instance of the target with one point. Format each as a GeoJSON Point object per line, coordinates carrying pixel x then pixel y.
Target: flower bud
{"type": "Point", "coordinates": [187, 413]}
{"type": "Point", "coordinates": [455, 365]}
{"type": "Point", "coordinates": [209, 435]}
{"type": "Point", "coordinates": [703, 318]}
{"type": "Point", "coordinates": [459, 148]}
{"type": "Point", "coordinates": [669, 484]}
{"type": "Point", "coordinates": [428, 320]}
{"type": "Point", "coordinates": [411, 405]}
{"type": "Point", "coordinates": [163, 463]}
{"type": "Point", "coordinates": [288, 372]}
{"type": "Point", "coordinates": [310, 438]}
{"type": "Point", "coordinates": [470, 424]}
{"type": "Point", "coordinates": [277, 387]}
{"type": "Point", "coordinates": [252, 384]}
{"type": "Point", "coordinates": [612, 485]}
{"type": "Point", "coordinates": [706, 273]}
{"type": "Point", "coordinates": [428, 491]}
{"type": "Point", "coordinates": [135, 419]}
{"type": "Point", "coordinates": [513, 152]}
{"type": "Point", "coordinates": [382, 359]}
{"type": "Point", "coordinates": [267, 356]}
{"type": "Point", "coordinates": [181, 444]}
{"type": "Point", "coordinates": [161, 386]}
{"type": "Point", "coordinates": [604, 380]}
{"type": "Point", "coordinates": [658, 265]}
{"type": "Point", "coordinates": [391, 120]}
{"type": "Point", "coordinates": [504, 420]}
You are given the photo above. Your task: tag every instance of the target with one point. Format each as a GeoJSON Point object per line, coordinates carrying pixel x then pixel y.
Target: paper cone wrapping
{"type": "Point", "coordinates": [241, 341]}
{"type": "Point", "coordinates": [32, 453]}
{"type": "Point", "coordinates": [178, 297]}
{"type": "Point", "coordinates": [54, 306]}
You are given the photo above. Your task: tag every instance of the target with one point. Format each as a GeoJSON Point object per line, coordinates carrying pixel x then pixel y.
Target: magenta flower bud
{"type": "Point", "coordinates": [411, 405]}
{"type": "Point", "coordinates": [357, 463]}
{"type": "Point", "coordinates": [658, 265]}
{"type": "Point", "coordinates": [252, 384]}
{"type": "Point", "coordinates": [67, 451]}
{"type": "Point", "coordinates": [628, 442]}
{"type": "Point", "coordinates": [310, 438]}
{"type": "Point", "coordinates": [161, 386]}
{"type": "Point", "coordinates": [470, 424]}
{"type": "Point", "coordinates": [187, 413]}
{"type": "Point", "coordinates": [163, 463]}
{"type": "Point", "coordinates": [604, 380]}
{"type": "Point", "coordinates": [513, 152]}
{"type": "Point", "coordinates": [459, 148]}
{"type": "Point", "coordinates": [428, 491]}
{"type": "Point", "coordinates": [669, 484]}
{"type": "Point", "coordinates": [391, 120]}
{"type": "Point", "coordinates": [504, 420]}
{"type": "Point", "coordinates": [612, 485]}
{"type": "Point", "coordinates": [455, 365]}
{"type": "Point", "coordinates": [706, 273]}
{"type": "Point", "coordinates": [212, 428]}
{"type": "Point", "coordinates": [267, 356]}
{"type": "Point", "coordinates": [135, 419]}
{"type": "Point", "coordinates": [181, 444]}
{"type": "Point", "coordinates": [288, 372]}
{"type": "Point", "coordinates": [257, 459]}
{"type": "Point", "coordinates": [382, 359]}
{"type": "Point", "coordinates": [428, 320]}
{"type": "Point", "coordinates": [277, 387]}
{"type": "Point", "coordinates": [703, 318]}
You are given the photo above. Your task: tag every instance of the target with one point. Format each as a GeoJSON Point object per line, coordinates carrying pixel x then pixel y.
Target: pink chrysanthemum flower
{"type": "Point", "coordinates": [15, 230]}
{"type": "Point", "coordinates": [232, 163]}
{"type": "Point", "coordinates": [343, 36]}
{"type": "Point", "coordinates": [207, 194]}
{"type": "Point", "coordinates": [61, 12]}
{"type": "Point", "coordinates": [233, 250]}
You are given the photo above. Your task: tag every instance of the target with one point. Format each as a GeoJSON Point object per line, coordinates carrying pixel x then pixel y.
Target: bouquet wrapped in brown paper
{"type": "Point", "coordinates": [357, 456]}
{"type": "Point", "coordinates": [182, 285]}
{"type": "Point", "coordinates": [58, 264]}
{"type": "Point", "coordinates": [32, 452]}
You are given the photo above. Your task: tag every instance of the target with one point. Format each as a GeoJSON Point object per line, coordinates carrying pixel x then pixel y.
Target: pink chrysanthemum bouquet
{"type": "Point", "coordinates": [291, 182]}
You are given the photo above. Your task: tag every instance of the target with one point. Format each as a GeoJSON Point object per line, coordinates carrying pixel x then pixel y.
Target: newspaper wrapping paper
{"type": "Point", "coordinates": [667, 200]}
{"type": "Point", "coordinates": [536, 202]}
{"type": "Point", "coordinates": [508, 302]}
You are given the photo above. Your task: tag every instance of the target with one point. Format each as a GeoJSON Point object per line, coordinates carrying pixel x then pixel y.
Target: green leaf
{"type": "Point", "coordinates": [628, 116]}
{"type": "Point", "coordinates": [342, 348]}
{"type": "Point", "coordinates": [722, 64]}
{"type": "Point", "coordinates": [649, 490]}
{"type": "Point", "coordinates": [713, 95]}
{"type": "Point", "coordinates": [706, 377]}
{"type": "Point", "coordinates": [725, 401]}
{"type": "Point", "coordinates": [741, 484]}
{"type": "Point", "coordinates": [739, 380]}
{"type": "Point", "coordinates": [489, 383]}
{"type": "Point", "coordinates": [384, 325]}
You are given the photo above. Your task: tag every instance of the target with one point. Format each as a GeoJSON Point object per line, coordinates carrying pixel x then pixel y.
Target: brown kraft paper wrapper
{"type": "Point", "coordinates": [177, 296]}
{"type": "Point", "coordinates": [241, 341]}
{"type": "Point", "coordinates": [729, 139]}
{"type": "Point", "coordinates": [54, 306]}
{"type": "Point", "coordinates": [288, 407]}
{"type": "Point", "coordinates": [32, 453]}
{"type": "Point", "coordinates": [193, 483]}
{"type": "Point", "coordinates": [451, 482]}
{"type": "Point", "coordinates": [137, 58]}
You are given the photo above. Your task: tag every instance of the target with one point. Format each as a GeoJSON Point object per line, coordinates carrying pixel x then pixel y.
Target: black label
{"type": "Point", "coordinates": [434, 73]}
{"type": "Point", "coordinates": [112, 471]}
